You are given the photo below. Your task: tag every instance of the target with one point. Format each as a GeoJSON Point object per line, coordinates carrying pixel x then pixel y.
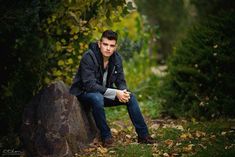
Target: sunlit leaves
{"type": "Point", "coordinates": [60, 63]}
{"type": "Point", "coordinates": [70, 28]}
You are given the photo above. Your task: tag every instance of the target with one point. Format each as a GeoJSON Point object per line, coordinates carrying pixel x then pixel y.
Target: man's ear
{"type": "Point", "coordinates": [99, 43]}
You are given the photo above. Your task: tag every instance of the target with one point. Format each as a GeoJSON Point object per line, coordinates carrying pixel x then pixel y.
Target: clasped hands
{"type": "Point", "coordinates": [123, 95]}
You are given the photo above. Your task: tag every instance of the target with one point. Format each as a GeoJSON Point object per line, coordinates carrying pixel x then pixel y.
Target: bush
{"type": "Point", "coordinates": [42, 41]}
{"type": "Point", "coordinates": [201, 78]}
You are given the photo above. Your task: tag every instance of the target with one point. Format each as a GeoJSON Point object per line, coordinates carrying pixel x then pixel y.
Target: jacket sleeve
{"type": "Point", "coordinates": [120, 81]}
{"type": "Point", "coordinates": [88, 75]}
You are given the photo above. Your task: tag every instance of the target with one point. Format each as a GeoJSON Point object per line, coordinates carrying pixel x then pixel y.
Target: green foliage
{"type": "Point", "coordinates": [212, 7]}
{"type": "Point", "coordinates": [134, 48]}
{"type": "Point", "coordinates": [70, 28]}
{"type": "Point", "coordinates": [171, 17]}
{"type": "Point", "coordinates": [201, 81]}
{"type": "Point", "coordinates": [23, 59]}
{"type": "Point", "coordinates": [151, 108]}
{"type": "Point", "coordinates": [42, 41]}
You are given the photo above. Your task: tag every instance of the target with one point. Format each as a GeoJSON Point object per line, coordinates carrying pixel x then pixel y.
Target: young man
{"type": "Point", "coordinates": [100, 68]}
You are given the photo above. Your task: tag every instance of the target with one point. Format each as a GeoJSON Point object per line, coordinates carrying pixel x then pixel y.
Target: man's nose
{"type": "Point", "coordinates": [108, 47]}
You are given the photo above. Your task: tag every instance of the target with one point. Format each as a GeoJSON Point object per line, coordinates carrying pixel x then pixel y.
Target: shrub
{"type": "Point", "coordinates": [201, 78]}
{"type": "Point", "coordinates": [42, 41]}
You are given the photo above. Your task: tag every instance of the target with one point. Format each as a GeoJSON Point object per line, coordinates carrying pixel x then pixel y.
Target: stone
{"type": "Point", "coordinates": [55, 124]}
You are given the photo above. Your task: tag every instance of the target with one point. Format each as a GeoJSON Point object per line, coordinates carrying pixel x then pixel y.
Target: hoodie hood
{"type": "Point", "coordinates": [94, 46]}
{"type": "Point", "coordinates": [96, 50]}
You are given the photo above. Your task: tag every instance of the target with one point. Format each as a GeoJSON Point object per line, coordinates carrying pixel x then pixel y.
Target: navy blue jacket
{"type": "Point", "coordinates": [89, 77]}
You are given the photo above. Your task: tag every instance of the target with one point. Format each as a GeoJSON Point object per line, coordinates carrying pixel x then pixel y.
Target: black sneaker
{"type": "Point", "coordinates": [146, 140]}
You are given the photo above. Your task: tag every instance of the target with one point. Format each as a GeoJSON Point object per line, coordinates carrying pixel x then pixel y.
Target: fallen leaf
{"type": "Point", "coordinates": [154, 126]}
{"type": "Point", "coordinates": [223, 133]}
{"type": "Point", "coordinates": [186, 135]}
{"type": "Point", "coordinates": [183, 136]}
{"type": "Point", "coordinates": [178, 144]}
{"type": "Point", "coordinates": [114, 131]}
{"type": "Point", "coordinates": [87, 150]}
{"type": "Point", "coordinates": [212, 136]}
{"type": "Point", "coordinates": [179, 127]}
{"type": "Point", "coordinates": [153, 135]}
{"type": "Point", "coordinates": [102, 150]}
{"type": "Point", "coordinates": [112, 152]}
{"type": "Point", "coordinates": [175, 154]}
{"type": "Point", "coordinates": [200, 134]}
{"type": "Point", "coordinates": [204, 147]}
{"type": "Point", "coordinates": [169, 143]}
{"type": "Point", "coordinates": [128, 136]}
{"type": "Point", "coordinates": [188, 148]}
{"type": "Point", "coordinates": [155, 155]}
{"type": "Point", "coordinates": [166, 154]}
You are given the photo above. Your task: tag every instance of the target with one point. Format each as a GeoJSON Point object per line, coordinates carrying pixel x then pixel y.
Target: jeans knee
{"type": "Point", "coordinates": [133, 100]}
{"type": "Point", "coordinates": [97, 100]}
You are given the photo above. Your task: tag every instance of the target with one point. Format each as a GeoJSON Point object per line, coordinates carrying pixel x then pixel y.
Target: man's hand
{"type": "Point", "coordinates": [123, 95]}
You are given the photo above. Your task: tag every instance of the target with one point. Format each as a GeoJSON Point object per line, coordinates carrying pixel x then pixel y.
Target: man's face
{"type": "Point", "coordinates": [107, 47]}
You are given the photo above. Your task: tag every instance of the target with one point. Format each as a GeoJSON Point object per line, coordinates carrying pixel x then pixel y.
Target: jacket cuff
{"type": "Point", "coordinates": [110, 93]}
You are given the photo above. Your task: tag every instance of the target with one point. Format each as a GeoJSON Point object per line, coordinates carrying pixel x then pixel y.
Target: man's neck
{"type": "Point", "coordinates": [106, 62]}
{"type": "Point", "coordinates": [105, 59]}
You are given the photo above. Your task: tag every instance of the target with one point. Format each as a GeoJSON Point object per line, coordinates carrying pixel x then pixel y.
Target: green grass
{"type": "Point", "coordinates": [133, 150]}
{"type": "Point", "coordinates": [207, 139]}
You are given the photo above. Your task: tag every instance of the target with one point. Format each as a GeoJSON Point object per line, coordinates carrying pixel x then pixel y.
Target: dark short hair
{"type": "Point", "coordinates": [109, 34]}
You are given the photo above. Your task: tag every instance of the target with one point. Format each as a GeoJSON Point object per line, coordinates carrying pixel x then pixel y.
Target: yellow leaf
{"type": "Point", "coordinates": [169, 142]}
{"type": "Point", "coordinates": [86, 34]}
{"type": "Point", "coordinates": [114, 131]}
{"type": "Point", "coordinates": [88, 150]}
{"type": "Point", "coordinates": [74, 30]}
{"type": "Point", "coordinates": [58, 46]}
{"type": "Point", "coordinates": [53, 17]}
{"type": "Point", "coordinates": [188, 148]}
{"type": "Point", "coordinates": [60, 62]}
{"type": "Point", "coordinates": [69, 61]}
{"type": "Point", "coordinates": [57, 73]}
{"type": "Point", "coordinates": [63, 41]}
{"type": "Point", "coordinates": [184, 136]}
{"type": "Point", "coordinates": [46, 80]}
{"type": "Point", "coordinates": [128, 136]}
{"type": "Point", "coordinates": [193, 120]}
{"type": "Point", "coordinates": [153, 135]}
{"type": "Point", "coordinates": [102, 150]}
{"type": "Point", "coordinates": [166, 155]}
{"type": "Point", "coordinates": [75, 37]}
{"type": "Point", "coordinates": [200, 134]}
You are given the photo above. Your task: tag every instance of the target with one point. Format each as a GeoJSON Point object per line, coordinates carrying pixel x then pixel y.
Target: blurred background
{"type": "Point", "coordinates": [179, 55]}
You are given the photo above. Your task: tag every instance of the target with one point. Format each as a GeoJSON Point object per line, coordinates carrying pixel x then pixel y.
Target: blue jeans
{"type": "Point", "coordinates": [98, 102]}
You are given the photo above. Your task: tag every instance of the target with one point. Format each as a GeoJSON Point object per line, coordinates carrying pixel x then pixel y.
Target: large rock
{"type": "Point", "coordinates": [55, 124]}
